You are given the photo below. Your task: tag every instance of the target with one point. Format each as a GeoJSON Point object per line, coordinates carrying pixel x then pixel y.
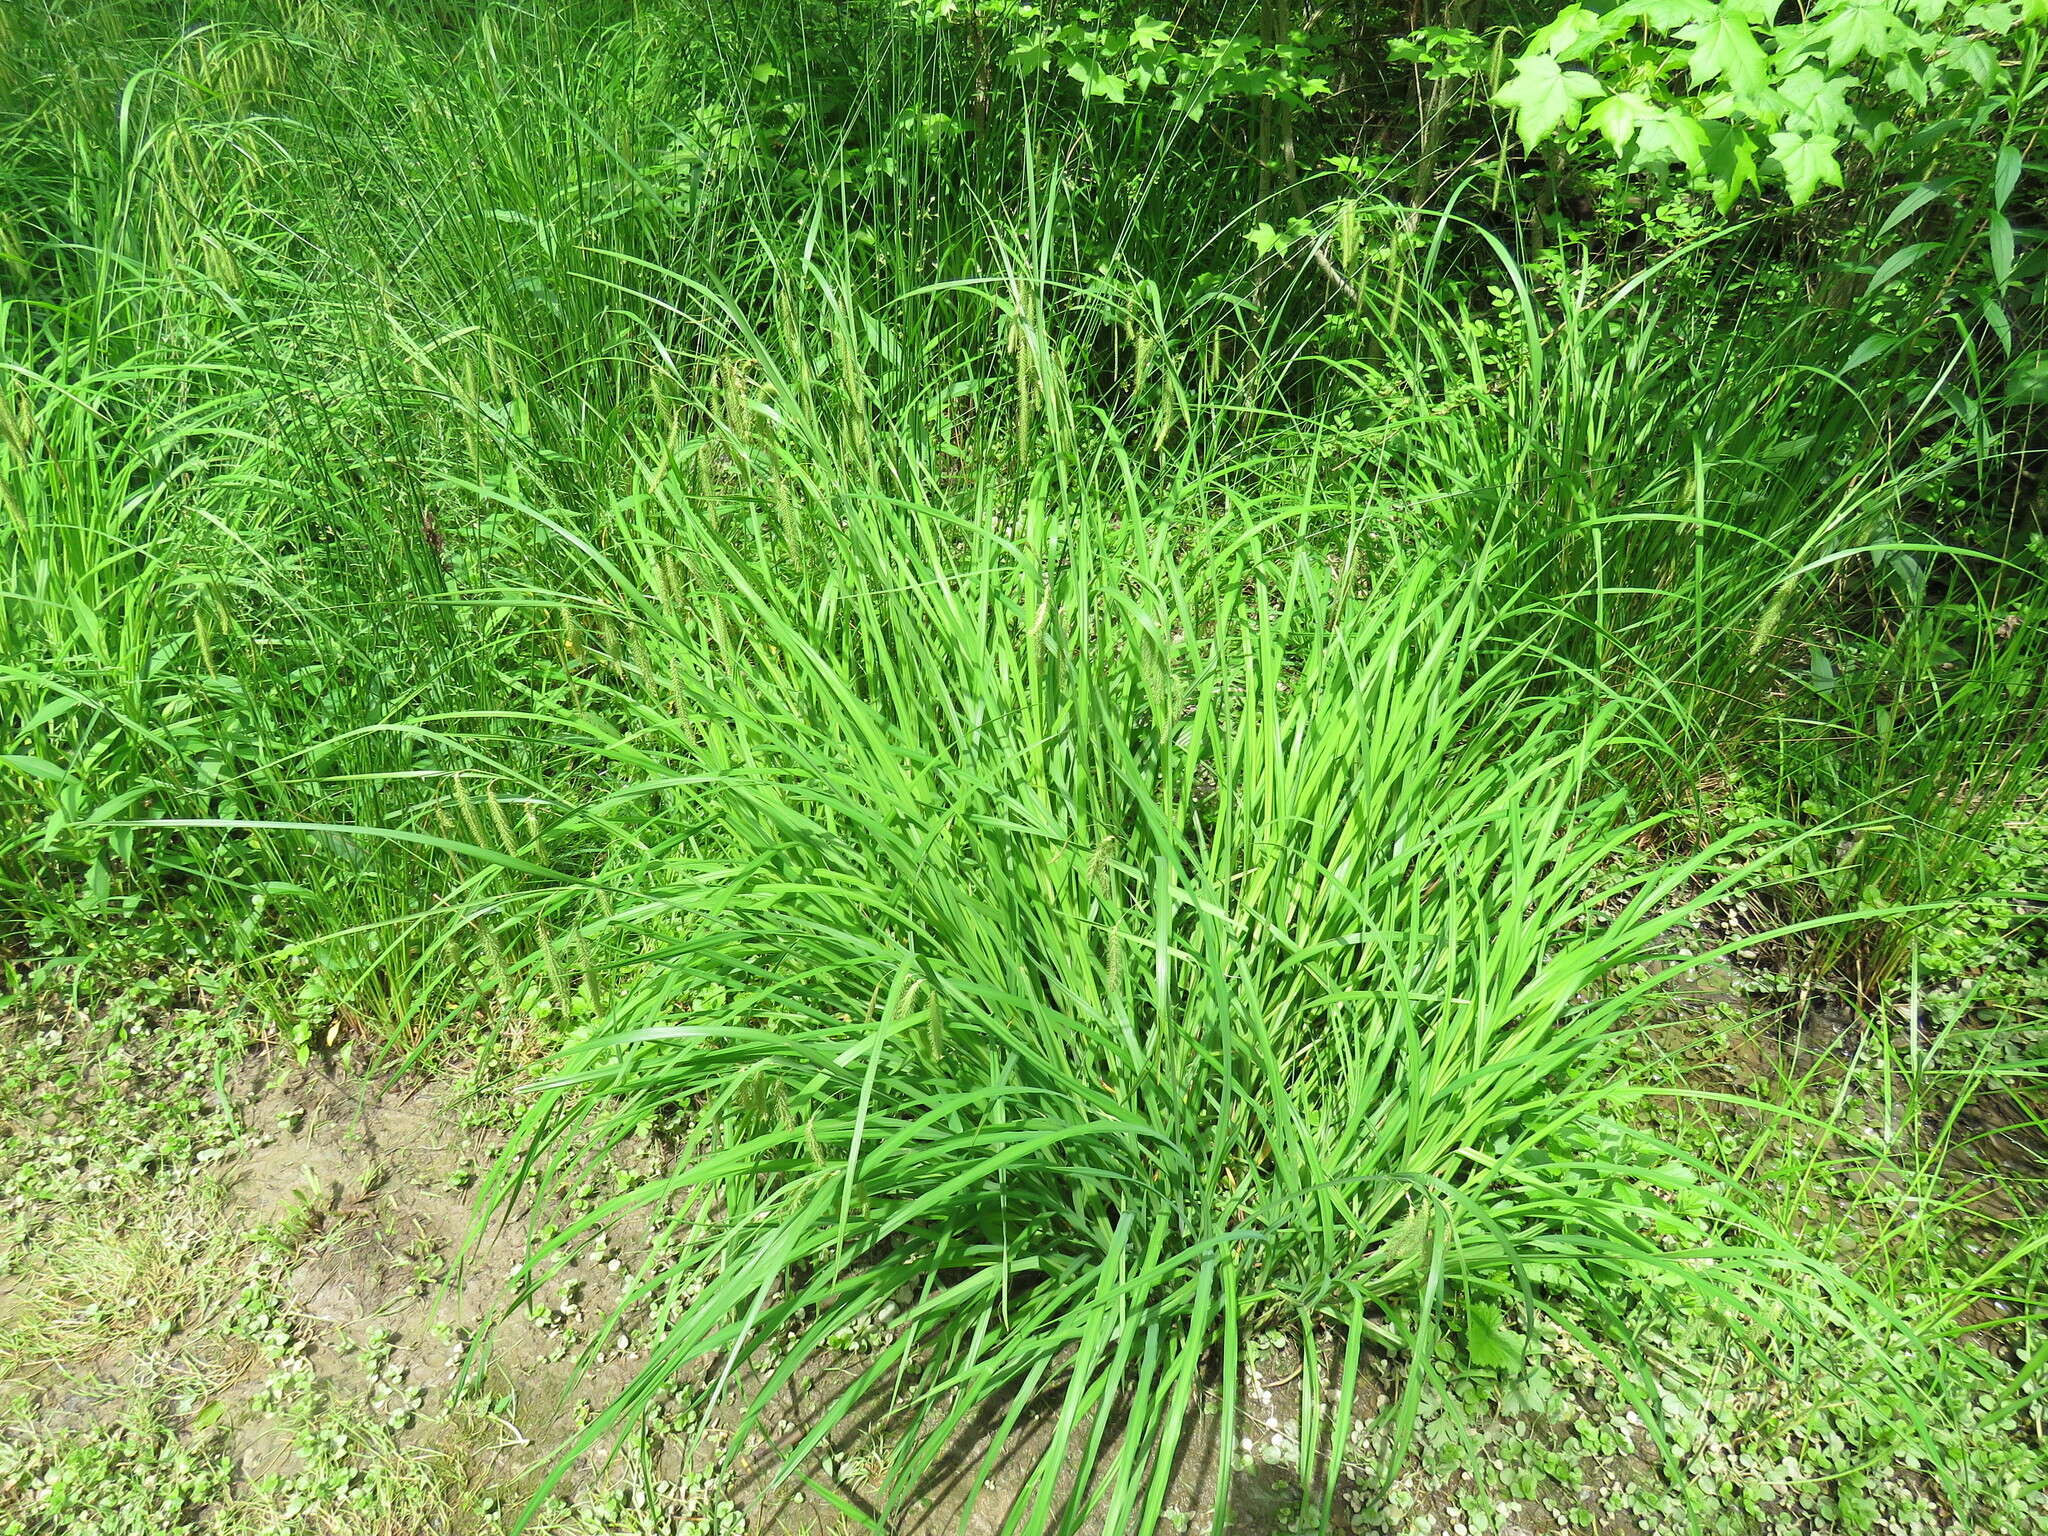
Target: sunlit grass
{"type": "Point", "coordinates": [1104, 805]}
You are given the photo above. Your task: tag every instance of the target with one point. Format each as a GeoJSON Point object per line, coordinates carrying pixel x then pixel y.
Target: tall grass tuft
{"type": "Point", "coordinates": [1081, 940]}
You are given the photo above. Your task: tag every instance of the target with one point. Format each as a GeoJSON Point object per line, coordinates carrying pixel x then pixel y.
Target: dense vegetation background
{"type": "Point", "coordinates": [1133, 685]}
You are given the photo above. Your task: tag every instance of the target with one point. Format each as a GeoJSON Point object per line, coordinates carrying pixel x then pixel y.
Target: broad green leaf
{"type": "Point", "coordinates": [1821, 675]}
{"type": "Point", "coordinates": [1807, 161]}
{"type": "Point", "coordinates": [1912, 203]}
{"type": "Point", "coordinates": [1489, 1343]}
{"type": "Point", "coordinates": [2005, 176]}
{"type": "Point", "coordinates": [1863, 27]}
{"type": "Point", "coordinates": [1265, 239]}
{"type": "Point", "coordinates": [1996, 19]}
{"type": "Point", "coordinates": [1665, 15]}
{"type": "Point", "coordinates": [1544, 96]}
{"type": "Point", "coordinates": [1896, 263]}
{"type": "Point", "coordinates": [1908, 77]}
{"type": "Point", "coordinates": [1674, 135]}
{"type": "Point", "coordinates": [1974, 58]}
{"type": "Point", "coordinates": [1724, 48]}
{"type": "Point", "coordinates": [1150, 32]}
{"type": "Point", "coordinates": [1033, 53]}
{"type": "Point", "coordinates": [1730, 162]}
{"type": "Point", "coordinates": [2001, 247]}
{"type": "Point", "coordinates": [1616, 118]}
{"type": "Point", "coordinates": [1571, 34]}
{"type": "Point", "coordinates": [1098, 81]}
{"type": "Point", "coordinates": [1993, 314]}
{"type": "Point", "coordinates": [1870, 349]}
{"type": "Point", "coordinates": [1819, 101]}
{"type": "Point", "coordinates": [2026, 382]}
{"type": "Point", "coordinates": [34, 767]}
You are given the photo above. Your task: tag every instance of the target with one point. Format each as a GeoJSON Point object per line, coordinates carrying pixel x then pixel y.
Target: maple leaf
{"type": "Point", "coordinates": [1807, 160]}
{"type": "Point", "coordinates": [1724, 48]}
{"type": "Point", "coordinates": [1864, 27]}
{"type": "Point", "coordinates": [1543, 96]}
